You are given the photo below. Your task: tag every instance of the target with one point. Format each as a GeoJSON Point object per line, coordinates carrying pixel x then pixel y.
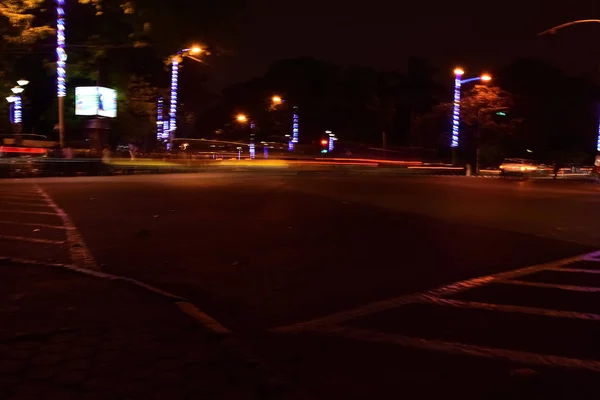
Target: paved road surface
{"type": "Point", "coordinates": [333, 278]}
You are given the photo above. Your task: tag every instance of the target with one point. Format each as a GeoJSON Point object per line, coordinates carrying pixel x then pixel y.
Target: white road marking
{"type": "Point", "coordinates": [346, 315]}
{"type": "Point", "coordinates": [574, 288]}
{"type": "Point", "coordinates": [205, 319]}
{"type": "Point", "coordinates": [32, 224]}
{"type": "Point", "coordinates": [31, 240]}
{"type": "Point", "coordinates": [23, 198]}
{"type": "Point", "coordinates": [457, 348]}
{"type": "Point", "coordinates": [447, 290]}
{"type": "Point", "coordinates": [79, 252]}
{"type": "Point", "coordinates": [578, 270]}
{"type": "Point", "coordinates": [28, 212]}
{"type": "Point", "coordinates": [512, 309]}
{"type": "Point", "coordinates": [24, 204]}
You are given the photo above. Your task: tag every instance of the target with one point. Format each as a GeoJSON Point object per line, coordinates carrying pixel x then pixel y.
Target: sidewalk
{"type": "Point", "coordinates": [65, 335]}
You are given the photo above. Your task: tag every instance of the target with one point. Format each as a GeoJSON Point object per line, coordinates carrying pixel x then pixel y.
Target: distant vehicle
{"type": "Point", "coordinates": [521, 167]}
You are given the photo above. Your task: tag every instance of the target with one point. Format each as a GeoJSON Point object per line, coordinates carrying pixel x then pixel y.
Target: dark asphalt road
{"type": "Point", "coordinates": [262, 251]}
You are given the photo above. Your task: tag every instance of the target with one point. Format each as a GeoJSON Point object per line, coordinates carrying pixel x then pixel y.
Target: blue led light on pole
{"type": "Point", "coordinates": [598, 143]}
{"type": "Point", "coordinates": [159, 120]}
{"type": "Point", "coordinates": [173, 103]}
{"type": "Point", "coordinates": [61, 68]}
{"type": "Point", "coordinates": [458, 82]}
{"type": "Point", "coordinates": [18, 113]}
{"type": "Point", "coordinates": [175, 61]}
{"type": "Point", "coordinates": [295, 125]}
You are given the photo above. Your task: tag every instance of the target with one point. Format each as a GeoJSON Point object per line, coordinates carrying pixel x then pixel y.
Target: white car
{"type": "Point", "coordinates": [520, 167]}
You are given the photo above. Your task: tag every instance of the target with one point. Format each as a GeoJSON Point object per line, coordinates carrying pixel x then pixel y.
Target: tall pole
{"type": "Point", "coordinates": [61, 69]}
{"type": "Point", "coordinates": [456, 113]}
{"type": "Point", "coordinates": [159, 121]}
{"type": "Point", "coordinates": [173, 105]}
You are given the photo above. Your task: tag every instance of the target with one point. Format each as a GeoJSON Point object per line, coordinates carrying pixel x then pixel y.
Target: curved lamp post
{"type": "Point", "coordinates": [61, 68]}
{"type": "Point", "coordinates": [553, 30]}
{"type": "Point", "coordinates": [458, 82]}
{"type": "Point", "coordinates": [557, 27]}
{"type": "Point", "coordinates": [175, 61]}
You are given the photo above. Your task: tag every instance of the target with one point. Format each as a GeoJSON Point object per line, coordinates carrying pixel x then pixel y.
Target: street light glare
{"type": "Point", "coordinates": [196, 50]}
{"type": "Point", "coordinates": [458, 71]}
{"type": "Point", "coordinates": [486, 78]}
{"type": "Point", "coordinates": [241, 118]}
{"type": "Point", "coordinates": [276, 100]}
{"type": "Point", "coordinates": [22, 82]}
{"type": "Point", "coordinates": [17, 90]}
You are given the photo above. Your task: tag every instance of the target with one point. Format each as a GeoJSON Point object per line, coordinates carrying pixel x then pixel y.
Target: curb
{"type": "Point", "coordinates": [271, 385]}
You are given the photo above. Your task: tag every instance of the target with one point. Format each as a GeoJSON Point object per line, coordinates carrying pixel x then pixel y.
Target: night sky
{"type": "Point", "coordinates": [384, 33]}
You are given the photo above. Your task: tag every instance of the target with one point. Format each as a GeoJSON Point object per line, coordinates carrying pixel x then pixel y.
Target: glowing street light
{"type": "Point", "coordinates": [22, 82]}
{"type": "Point", "coordinates": [276, 100]}
{"type": "Point", "coordinates": [61, 68]}
{"type": "Point", "coordinates": [175, 61]}
{"type": "Point", "coordinates": [553, 31]}
{"type": "Point", "coordinates": [241, 118]}
{"type": "Point", "coordinates": [17, 90]}
{"type": "Point", "coordinates": [458, 82]}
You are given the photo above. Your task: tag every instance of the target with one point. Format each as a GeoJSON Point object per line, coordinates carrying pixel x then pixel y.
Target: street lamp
{"type": "Point", "coordinates": [241, 118]}
{"type": "Point", "coordinates": [61, 68]}
{"type": "Point", "coordinates": [17, 108]}
{"type": "Point", "coordinates": [553, 30]}
{"type": "Point", "coordinates": [175, 61]}
{"type": "Point", "coordinates": [276, 100]}
{"type": "Point", "coordinates": [458, 82]}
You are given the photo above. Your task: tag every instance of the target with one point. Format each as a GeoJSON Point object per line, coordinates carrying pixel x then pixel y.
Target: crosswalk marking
{"type": "Point", "coordinates": [29, 212]}
{"type": "Point", "coordinates": [23, 204]}
{"type": "Point", "coordinates": [577, 270]}
{"type": "Point", "coordinates": [31, 240]}
{"type": "Point", "coordinates": [512, 309]}
{"type": "Point", "coordinates": [32, 224]}
{"type": "Point", "coordinates": [331, 324]}
{"type": "Point", "coordinates": [444, 291]}
{"type": "Point", "coordinates": [462, 349]}
{"type": "Point", "coordinates": [573, 288]}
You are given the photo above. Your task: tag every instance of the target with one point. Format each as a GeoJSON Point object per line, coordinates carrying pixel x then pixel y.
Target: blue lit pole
{"type": "Point", "coordinates": [159, 120]}
{"type": "Point", "coordinates": [173, 103]}
{"type": "Point", "coordinates": [18, 110]}
{"type": "Point", "coordinates": [61, 68]}
{"type": "Point", "coordinates": [175, 61]}
{"type": "Point", "coordinates": [458, 82]}
{"type": "Point", "coordinates": [295, 129]}
{"type": "Point", "coordinates": [252, 146]}
{"type": "Point", "coordinates": [598, 142]}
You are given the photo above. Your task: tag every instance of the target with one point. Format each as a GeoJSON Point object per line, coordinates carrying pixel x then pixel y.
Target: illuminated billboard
{"type": "Point", "coordinates": [95, 101]}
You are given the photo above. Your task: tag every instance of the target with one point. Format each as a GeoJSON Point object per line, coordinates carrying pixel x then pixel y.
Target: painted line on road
{"type": "Point", "coordinates": [346, 315]}
{"type": "Point", "coordinates": [447, 290]}
{"type": "Point", "coordinates": [573, 288]}
{"type": "Point", "coordinates": [512, 309]}
{"type": "Point", "coordinates": [32, 224]}
{"type": "Point", "coordinates": [457, 348]}
{"type": "Point", "coordinates": [23, 204]}
{"type": "Point", "coordinates": [593, 257]}
{"type": "Point", "coordinates": [31, 240]}
{"type": "Point", "coordinates": [29, 212]}
{"type": "Point", "coordinates": [24, 198]}
{"type": "Point", "coordinates": [205, 319]}
{"type": "Point", "coordinates": [79, 252]}
{"type": "Point", "coordinates": [577, 270]}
